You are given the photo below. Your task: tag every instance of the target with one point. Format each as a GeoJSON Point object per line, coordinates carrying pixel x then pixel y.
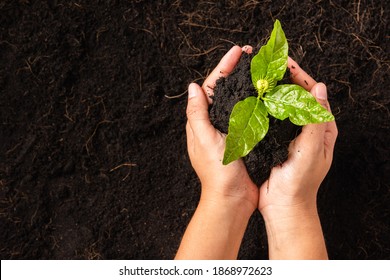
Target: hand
{"type": "Point", "coordinates": [288, 198]}
{"type": "Point", "coordinates": [296, 181]}
{"type": "Point", "coordinates": [206, 145]}
{"type": "Point", "coordinates": [228, 196]}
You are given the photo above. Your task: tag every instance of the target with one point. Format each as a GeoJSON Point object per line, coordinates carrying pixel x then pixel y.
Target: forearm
{"type": "Point", "coordinates": [215, 231]}
{"type": "Point", "coordinates": [298, 235]}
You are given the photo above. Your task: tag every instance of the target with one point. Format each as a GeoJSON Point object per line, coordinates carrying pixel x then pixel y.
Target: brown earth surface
{"type": "Point", "coordinates": [93, 160]}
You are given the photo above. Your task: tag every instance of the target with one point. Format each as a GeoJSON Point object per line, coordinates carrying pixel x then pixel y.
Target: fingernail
{"type": "Point", "coordinates": [247, 49]}
{"type": "Point", "coordinates": [321, 92]}
{"type": "Point", "coordinates": [192, 90]}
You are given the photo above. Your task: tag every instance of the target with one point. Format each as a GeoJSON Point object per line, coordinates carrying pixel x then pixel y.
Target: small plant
{"type": "Point", "coordinates": [249, 122]}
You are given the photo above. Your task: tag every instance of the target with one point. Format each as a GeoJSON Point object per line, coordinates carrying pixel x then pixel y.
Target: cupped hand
{"type": "Point", "coordinates": [294, 184]}
{"type": "Point", "coordinates": [230, 184]}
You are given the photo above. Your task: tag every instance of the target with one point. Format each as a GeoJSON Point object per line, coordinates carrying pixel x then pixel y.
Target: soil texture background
{"type": "Point", "coordinates": [93, 159]}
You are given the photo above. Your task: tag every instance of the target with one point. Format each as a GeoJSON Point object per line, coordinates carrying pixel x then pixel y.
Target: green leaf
{"type": "Point", "coordinates": [271, 62]}
{"type": "Point", "coordinates": [248, 124]}
{"type": "Point", "coordinates": [297, 104]}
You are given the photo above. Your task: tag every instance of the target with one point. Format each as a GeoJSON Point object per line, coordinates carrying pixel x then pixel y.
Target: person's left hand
{"type": "Point", "coordinates": [227, 185]}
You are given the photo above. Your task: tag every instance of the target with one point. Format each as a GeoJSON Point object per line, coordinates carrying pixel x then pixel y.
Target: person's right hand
{"type": "Point", "coordinates": [230, 184]}
{"type": "Point", "coordinates": [287, 200]}
{"type": "Point", "coordinates": [228, 195]}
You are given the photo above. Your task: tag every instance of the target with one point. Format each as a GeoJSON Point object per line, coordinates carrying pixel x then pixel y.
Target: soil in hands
{"type": "Point", "coordinates": [273, 149]}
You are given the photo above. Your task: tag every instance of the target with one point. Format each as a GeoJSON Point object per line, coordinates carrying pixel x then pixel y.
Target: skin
{"type": "Point", "coordinates": [287, 200]}
{"type": "Point", "coordinates": [228, 195]}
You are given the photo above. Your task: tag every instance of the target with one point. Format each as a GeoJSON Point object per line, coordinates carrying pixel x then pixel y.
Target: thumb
{"type": "Point", "coordinates": [197, 110]}
{"type": "Point", "coordinates": [331, 131]}
{"type": "Point", "coordinates": [320, 93]}
{"type": "Point", "coordinates": [312, 135]}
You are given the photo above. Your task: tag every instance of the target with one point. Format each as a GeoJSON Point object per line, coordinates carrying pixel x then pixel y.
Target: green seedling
{"type": "Point", "coordinates": [249, 122]}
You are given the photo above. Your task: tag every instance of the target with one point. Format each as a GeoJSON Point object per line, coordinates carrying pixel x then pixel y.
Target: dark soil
{"type": "Point", "coordinates": [273, 149]}
{"type": "Point", "coordinates": [93, 160]}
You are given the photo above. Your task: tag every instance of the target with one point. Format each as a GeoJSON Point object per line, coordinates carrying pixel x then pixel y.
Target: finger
{"type": "Point", "coordinates": [331, 132]}
{"type": "Point", "coordinates": [190, 133]}
{"type": "Point", "coordinates": [224, 67]}
{"type": "Point", "coordinates": [312, 135]}
{"type": "Point", "coordinates": [247, 49]}
{"type": "Point", "coordinates": [299, 76]}
{"type": "Point", "coordinates": [330, 137]}
{"type": "Point", "coordinates": [197, 111]}
{"type": "Point", "coordinates": [190, 139]}
{"type": "Point", "coordinates": [320, 92]}
{"type": "Point", "coordinates": [327, 132]}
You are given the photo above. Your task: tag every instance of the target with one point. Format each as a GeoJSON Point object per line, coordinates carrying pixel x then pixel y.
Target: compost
{"type": "Point", "coordinates": [93, 157]}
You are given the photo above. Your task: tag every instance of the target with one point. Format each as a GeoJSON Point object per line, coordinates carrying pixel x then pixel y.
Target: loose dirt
{"type": "Point", "coordinates": [93, 160]}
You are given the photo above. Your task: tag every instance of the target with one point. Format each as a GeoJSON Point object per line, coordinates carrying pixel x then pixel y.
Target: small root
{"type": "Point", "coordinates": [231, 42]}
{"type": "Point", "coordinates": [128, 164]}
{"type": "Point", "coordinates": [176, 96]}
{"type": "Point", "coordinates": [204, 52]}
{"type": "Point", "coordinates": [348, 84]}
{"type": "Point", "coordinates": [187, 23]}
{"type": "Point", "coordinates": [93, 134]}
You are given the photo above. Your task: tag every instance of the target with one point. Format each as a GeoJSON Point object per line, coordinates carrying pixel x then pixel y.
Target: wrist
{"type": "Point", "coordinates": [228, 208]}
{"type": "Point", "coordinates": [289, 219]}
{"type": "Point", "coordinates": [282, 212]}
{"type": "Point", "coordinates": [215, 231]}
{"type": "Point", "coordinates": [230, 219]}
{"type": "Point", "coordinates": [295, 233]}
{"type": "Point", "coordinates": [239, 203]}
{"type": "Point", "coordinates": [281, 202]}
{"type": "Point", "coordinates": [232, 212]}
